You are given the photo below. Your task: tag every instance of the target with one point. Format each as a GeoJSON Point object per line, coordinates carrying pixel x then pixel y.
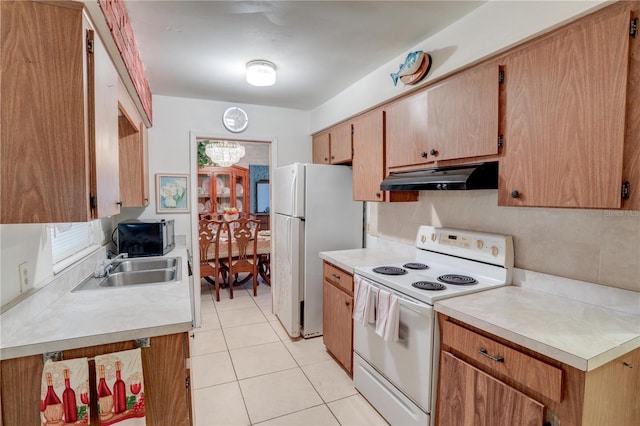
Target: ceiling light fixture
{"type": "Point", "coordinates": [261, 73]}
{"type": "Point", "coordinates": [224, 153]}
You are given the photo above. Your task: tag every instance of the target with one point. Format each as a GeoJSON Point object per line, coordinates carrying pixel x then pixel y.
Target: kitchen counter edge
{"type": "Point", "coordinates": [159, 319]}
{"type": "Point", "coordinates": [480, 310]}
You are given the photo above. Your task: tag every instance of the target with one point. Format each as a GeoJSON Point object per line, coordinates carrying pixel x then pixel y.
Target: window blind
{"type": "Point", "coordinates": [68, 239]}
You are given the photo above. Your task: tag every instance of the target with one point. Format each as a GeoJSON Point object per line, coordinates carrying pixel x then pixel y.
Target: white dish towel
{"type": "Point", "coordinates": [387, 316]}
{"type": "Point", "coordinates": [364, 303]}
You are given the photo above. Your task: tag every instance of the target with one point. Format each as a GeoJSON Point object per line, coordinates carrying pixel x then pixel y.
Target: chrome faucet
{"type": "Point", "coordinates": [104, 269]}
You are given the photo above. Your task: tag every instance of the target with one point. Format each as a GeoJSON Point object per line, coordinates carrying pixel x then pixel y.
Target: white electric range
{"type": "Point", "coordinates": [397, 377]}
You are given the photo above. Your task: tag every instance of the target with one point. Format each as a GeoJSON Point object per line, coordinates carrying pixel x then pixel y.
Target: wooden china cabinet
{"type": "Point", "coordinates": [221, 187]}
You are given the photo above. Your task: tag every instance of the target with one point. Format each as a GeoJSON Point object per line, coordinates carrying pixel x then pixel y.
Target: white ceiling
{"type": "Point", "coordinates": [199, 49]}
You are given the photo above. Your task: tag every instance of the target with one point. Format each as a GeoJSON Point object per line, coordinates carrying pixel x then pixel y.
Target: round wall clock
{"type": "Point", "coordinates": [235, 120]}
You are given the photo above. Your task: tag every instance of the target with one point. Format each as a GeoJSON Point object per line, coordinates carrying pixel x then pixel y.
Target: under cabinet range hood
{"type": "Point", "coordinates": [462, 177]}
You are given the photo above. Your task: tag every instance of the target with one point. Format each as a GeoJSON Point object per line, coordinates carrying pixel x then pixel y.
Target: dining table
{"type": "Point", "coordinates": [263, 253]}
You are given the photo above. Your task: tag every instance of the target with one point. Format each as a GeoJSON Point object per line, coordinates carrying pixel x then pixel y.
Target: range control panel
{"type": "Point", "coordinates": [485, 247]}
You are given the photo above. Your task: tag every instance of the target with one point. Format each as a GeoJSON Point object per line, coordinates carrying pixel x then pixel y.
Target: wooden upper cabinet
{"type": "Point", "coordinates": [368, 160]}
{"type": "Point", "coordinates": [133, 152]}
{"type": "Point", "coordinates": [341, 149]}
{"type": "Point", "coordinates": [565, 116]}
{"type": "Point", "coordinates": [321, 148]}
{"type": "Point", "coordinates": [456, 118]}
{"type": "Point", "coordinates": [54, 155]}
{"type": "Point", "coordinates": [333, 146]}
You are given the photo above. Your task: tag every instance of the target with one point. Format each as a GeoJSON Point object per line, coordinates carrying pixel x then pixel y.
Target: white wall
{"type": "Point", "coordinates": [31, 243]}
{"type": "Point", "coordinates": [174, 119]}
{"type": "Point", "coordinates": [491, 28]}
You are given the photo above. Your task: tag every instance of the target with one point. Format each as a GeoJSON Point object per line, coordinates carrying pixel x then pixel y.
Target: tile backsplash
{"type": "Point", "coordinates": [599, 246]}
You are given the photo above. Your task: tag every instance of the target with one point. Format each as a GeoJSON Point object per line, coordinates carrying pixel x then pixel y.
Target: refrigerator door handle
{"type": "Point", "coordinates": [294, 196]}
{"type": "Point", "coordinates": [289, 237]}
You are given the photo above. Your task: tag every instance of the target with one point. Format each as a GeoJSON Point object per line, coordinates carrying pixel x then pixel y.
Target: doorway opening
{"type": "Point", "coordinates": [243, 186]}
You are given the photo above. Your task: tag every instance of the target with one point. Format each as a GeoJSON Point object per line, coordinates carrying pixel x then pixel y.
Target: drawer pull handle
{"type": "Point", "coordinates": [627, 364]}
{"type": "Point", "coordinates": [336, 276]}
{"type": "Point", "coordinates": [484, 353]}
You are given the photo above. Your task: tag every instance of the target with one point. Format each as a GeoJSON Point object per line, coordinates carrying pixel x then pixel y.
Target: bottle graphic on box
{"type": "Point", "coordinates": [105, 398]}
{"type": "Point", "coordinates": [69, 400]}
{"type": "Point", "coordinates": [119, 392]}
{"type": "Point", "coordinates": [52, 407]}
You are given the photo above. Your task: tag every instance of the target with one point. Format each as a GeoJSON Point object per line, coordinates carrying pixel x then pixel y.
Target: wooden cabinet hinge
{"type": "Point", "coordinates": [626, 188]}
{"type": "Point", "coordinates": [500, 141]}
{"type": "Point", "coordinates": [501, 76]}
{"type": "Point", "coordinates": [89, 45]}
{"type": "Point", "coordinates": [187, 382]}
{"type": "Point", "coordinates": [633, 28]}
{"type": "Point", "coordinates": [93, 201]}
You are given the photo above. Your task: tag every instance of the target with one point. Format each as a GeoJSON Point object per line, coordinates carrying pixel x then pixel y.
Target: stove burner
{"type": "Point", "coordinates": [389, 270]}
{"type": "Point", "coordinates": [455, 279]}
{"type": "Point", "coordinates": [415, 265]}
{"type": "Point", "coordinates": [428, 285]}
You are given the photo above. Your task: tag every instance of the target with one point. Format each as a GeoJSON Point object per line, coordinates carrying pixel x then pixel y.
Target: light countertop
{"type": "Point", "coordinates": [350, 259]}
{"type": "Point", "coordinates": [583, 333]}
{"type": "Point", "coordinates": [55, 319]}
{"type": "Point", "coordinates": [576, 333]}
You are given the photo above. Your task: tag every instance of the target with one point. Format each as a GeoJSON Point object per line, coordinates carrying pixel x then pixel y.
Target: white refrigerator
{"type": "Point", "coordinates": [313, 211]}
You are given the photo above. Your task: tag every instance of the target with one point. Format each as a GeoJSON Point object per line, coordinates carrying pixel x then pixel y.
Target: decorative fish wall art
{"type": "Point", "coordinates": [414, 68]}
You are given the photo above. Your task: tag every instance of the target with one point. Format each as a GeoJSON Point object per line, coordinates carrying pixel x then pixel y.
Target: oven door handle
{"type": "Point", "coordinates": [421, 308]}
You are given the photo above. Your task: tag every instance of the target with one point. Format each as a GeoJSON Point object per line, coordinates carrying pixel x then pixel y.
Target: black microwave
{"type": "Point", "coordinates": [146, 238]}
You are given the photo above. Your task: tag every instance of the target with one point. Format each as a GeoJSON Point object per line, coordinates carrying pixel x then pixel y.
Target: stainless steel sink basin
{"type": "Point", "coordinates": [136, 272]}
{"type": "Point", "coordinates": [144, 264]}
{"type": "Point", "coordinates": [118, 279]}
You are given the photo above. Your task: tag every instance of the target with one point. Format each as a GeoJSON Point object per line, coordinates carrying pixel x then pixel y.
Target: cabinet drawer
{"type": "Point", "coordinates": [337, 276]}
{"type": "Point", "coordinates": [530, 372]}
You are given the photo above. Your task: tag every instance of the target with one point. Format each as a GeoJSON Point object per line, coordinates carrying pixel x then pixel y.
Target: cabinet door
{"type": "Point", "coordinates": [133, 152]}
{"type": "Point", "coordinates": [341, 149]}
{"type": "Point", "coordinates": [337, 324]}
{"type": "Point", "coordinates": [462, 114]}
{"type": "Point", "coordinates": [222, 187]}
{"type": "Point", "coordinates": [43, 155]}
{"type": "Point", "coordinates": [406, 133]}
{"type": "Point", "coordinates": [368, 156]}
{"type": "Point", "coordinates": [470, 397]}
{"type": "Point", "coordinates": [565, 116]}
{"type": "Point", "coordinates": [457, 118]}
{"type": "Point", "coordinates": [241, 190]}
{"type": "Point", "coordinates": [321, 148]}
{"type": "Point", "coordinates": [103, 135]}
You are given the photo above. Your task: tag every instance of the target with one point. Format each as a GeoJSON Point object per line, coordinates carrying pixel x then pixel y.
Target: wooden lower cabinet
{"type": "Point", "coordinates": [337, 311]}
{"type": "Point", "coordinates": [167, 395]}
{"type": "Point", "coordinates": [486, 380]}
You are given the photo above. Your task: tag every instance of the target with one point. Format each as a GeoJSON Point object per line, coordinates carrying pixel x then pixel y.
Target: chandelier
{"type": "Point", "coordinates": [224, 153]}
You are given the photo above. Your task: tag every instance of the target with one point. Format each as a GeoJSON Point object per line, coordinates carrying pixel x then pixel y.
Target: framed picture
{"type": "Point", "coordinates": [172, 193]}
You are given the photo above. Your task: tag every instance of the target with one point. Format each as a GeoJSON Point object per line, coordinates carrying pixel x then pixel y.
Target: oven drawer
{"type": "Point", "coordinates": [338, 277]}
{"type": "Point", "coordinates": [530, 372]}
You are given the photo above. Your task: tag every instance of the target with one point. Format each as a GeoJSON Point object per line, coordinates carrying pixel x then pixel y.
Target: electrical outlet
{"type": "Point", "coordinates": [25, 284]}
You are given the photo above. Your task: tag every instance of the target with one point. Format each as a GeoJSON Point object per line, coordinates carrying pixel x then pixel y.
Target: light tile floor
{"type": "Point", "coordinates": [245, 370]}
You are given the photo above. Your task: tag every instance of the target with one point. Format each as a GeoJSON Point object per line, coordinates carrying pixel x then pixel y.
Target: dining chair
{"type": "Point", "coordinates": [243, 234]}
{"type": "Point", "coordinates": [209, 242]}
{"type": "Point", "coordinates": [247, 215]}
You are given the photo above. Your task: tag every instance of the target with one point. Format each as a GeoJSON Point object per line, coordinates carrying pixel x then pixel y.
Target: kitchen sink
{"type": "Point", "coordinates": [118, 279]}
{"type": "Point", "coordinates": [136, 272]}
{"type": "Point", "coordinates": [144, 264]}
